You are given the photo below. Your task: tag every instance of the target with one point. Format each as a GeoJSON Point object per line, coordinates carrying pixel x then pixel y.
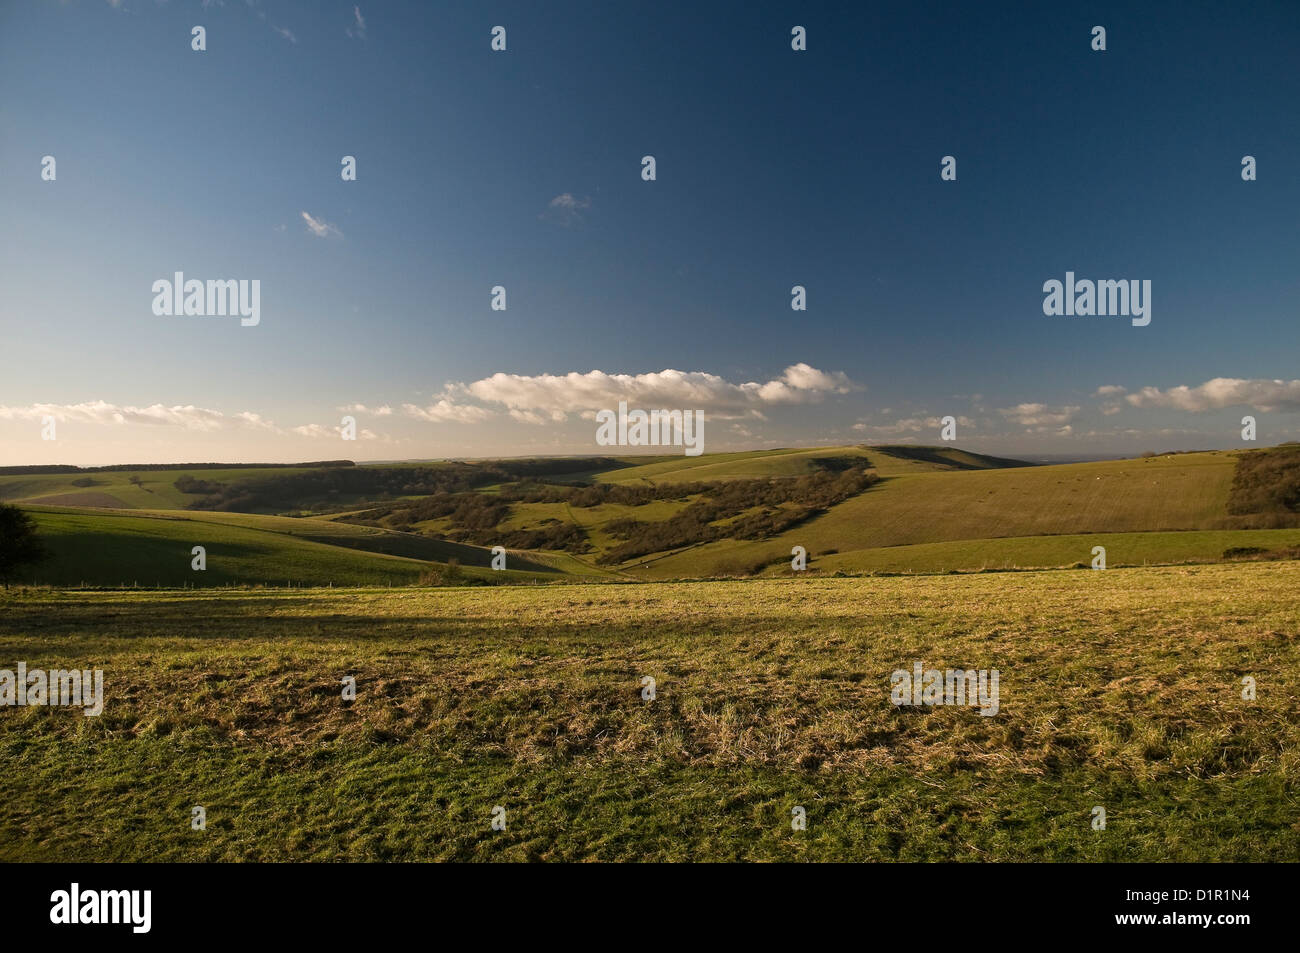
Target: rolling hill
{"type": "Point", "coordinates": [923, 506]}
{"type": "Point", "coordinates": [126, 548]}
{"type": "Point", "coordinates": [114, 489]}
{"type": "Point", "coordinates": [854, 509]}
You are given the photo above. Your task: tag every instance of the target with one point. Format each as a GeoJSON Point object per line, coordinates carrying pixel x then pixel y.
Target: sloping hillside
{"type": "Point", "coordinates": [124, 489]}
{"type": "Point", "coordinates": [1177, 492]}
{"type": "Point", "coordinates": [854, 509]}
{"type": "Point", "coordinates": [760, 464]}
{"type": "Point", "coordinates": [114, 548]}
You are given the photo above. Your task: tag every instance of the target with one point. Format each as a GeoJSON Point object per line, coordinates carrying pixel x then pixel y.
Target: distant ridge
{"type": "Point", "coordinates": [120, 467]}
{"type": "Point", "coordinates": [949, 456]}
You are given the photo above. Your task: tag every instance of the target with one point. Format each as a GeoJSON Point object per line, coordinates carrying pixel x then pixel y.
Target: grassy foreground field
{"type": "Point", "coordinates": [1119, 689]}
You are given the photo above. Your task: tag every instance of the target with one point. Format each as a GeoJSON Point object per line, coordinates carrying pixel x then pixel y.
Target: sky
{"type": "Point", "coordinates": [523, 169]}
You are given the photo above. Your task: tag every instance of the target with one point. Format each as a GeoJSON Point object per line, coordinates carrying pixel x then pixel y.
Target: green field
{"type": "Point", "coordinates": [139, 548]}
{"type": "Point", "coordinates": [975, 555]}
{"type": "Point", "coordinates": [929, 516]}
{"type": "Point", "coordinates": [1183, 492]}
{"type": "Point", "coordinates": [1119, 689]}
{"type": "Point", "coordinates": [746, 465]}
{"type": "Point", "coordinates": [1122, 549]}
{"type": "Point", "coordinates": [1165, 509]}
{"type": "Point", "coordinates": [113, 488]}
{"type": "Point", "coordinates": [934, 510]}
{"type": "Point", "coordinates": [762, 464]}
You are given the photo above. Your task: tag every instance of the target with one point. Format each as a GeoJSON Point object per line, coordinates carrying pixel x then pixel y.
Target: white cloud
{"type": "Point", "coordinates": [800, 379]}
{"type": "Point", "coordinates": [381, 411]}
{"type": "Point", "coordinates": [1264, 395]}
{"type": "Point", "coordinates": [1041, 416]}
{"type": "Point", "coordinates": [1112, 392]}
{"type": "Point", "coordinates": [566, 209]}
{"type": "Point", "coordinates": [531, 417]}
{"type": "Point", "coordinates": [288, 35]}
{"type": "Point", "coordinates": [320, 228]}
{"type": "Point", "coordinates": [257, 421]}
{"type": "Point", "coordinates": [551, 396]}
{"type": "Point", "coordinates": [566, 200]}
{"type": "Point", "coordinates": [102, 412]}
{"type": "Point", "coordinates": [357, 30]}
{"type": "Point", "coordinates": [907, 425]}
{"type": "Point", "coordinates": [316, 430]}
{"type": "Point", "coordinates": [444, 410]}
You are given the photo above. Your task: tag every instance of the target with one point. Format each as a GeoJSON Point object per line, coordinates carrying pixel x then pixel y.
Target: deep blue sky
{"type": "Point", "coordinates": [775, 168]}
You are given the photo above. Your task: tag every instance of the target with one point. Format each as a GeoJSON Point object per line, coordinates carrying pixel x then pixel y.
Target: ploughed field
{"type": "Point", "coordinates": [1119, 689]}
